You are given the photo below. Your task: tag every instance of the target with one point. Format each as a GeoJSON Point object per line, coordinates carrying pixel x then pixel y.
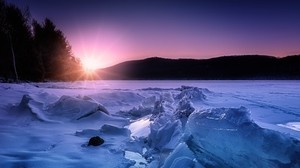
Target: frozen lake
{"type": "Point", "coordinates": [50, 124]}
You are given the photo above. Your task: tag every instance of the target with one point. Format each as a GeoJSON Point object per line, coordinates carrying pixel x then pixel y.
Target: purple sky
{"type": "Point", "coordinates": [114, 31]}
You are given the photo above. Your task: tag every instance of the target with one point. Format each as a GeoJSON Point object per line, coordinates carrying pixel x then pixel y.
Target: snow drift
{"type": "Point", "coordinates": [67, 108]}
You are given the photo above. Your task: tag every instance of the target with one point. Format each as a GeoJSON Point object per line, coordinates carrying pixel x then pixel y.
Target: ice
{"type": "Point", "coordinates": [65, 109]}
{"type": "Point", "coordinates": [227, 137]}
{"type": "Point", "coordinates": [182, 156]}
{"type": "Point", "coordinates": [139, 160]}
{"type": "Point", "coordinates": [114, 130]}
{"type": "Point", "coordinates": [192, 93]}
{"type": "Point", "coordinates": [73, 109]}
{"type": "Point", "coordinates": [184, 109]}
{"type": "Point", "coordinates": [165, 133]}
{"type": "Point", "coordinates": [141, 127]}
{"type": "Point", "coordinates": [117, 100]}
{"type": "Point", "coordinates": [45, 98]}
{"type": "Point", "coordinates": [68, 108]}
{"type": "Point", "coordinates": [27, 111]}
{"type": "Point", "coordinates": [140, 111]}
{"type": "Point", "coordinates": [291, 125]}
{"type": "Point", "coordinates": [150, 124]}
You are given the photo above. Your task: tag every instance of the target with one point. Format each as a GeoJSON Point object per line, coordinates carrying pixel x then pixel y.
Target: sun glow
{"type": "Point", "coordinates": [90, 64]}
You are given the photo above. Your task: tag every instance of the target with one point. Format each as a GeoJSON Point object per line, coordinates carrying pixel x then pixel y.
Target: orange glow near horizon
{"type": "Point", "coordinates": [90, 63]}
{"type": "Point", "coordinates": [102, 46]}
{"type": "Point", "coordinates": [90, 66]}
{"type": "Point", "coordinates": [99, 46]}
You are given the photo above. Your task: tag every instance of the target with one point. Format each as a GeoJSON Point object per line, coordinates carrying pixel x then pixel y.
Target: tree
{"type": "Point", "coordinates": [6, 62]}
{"type": "Point", "coordinates": [18, 44]}
{"type": "Point", "coordinates": [55, 52]}
{"type": "Point", "coordinates": [33, 54]}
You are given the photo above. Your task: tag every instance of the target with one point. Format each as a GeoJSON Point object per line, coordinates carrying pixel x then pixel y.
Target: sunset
{"type": "Point", "coordinates": [149, 84]}
{"type": "Point", "coordinates": [90, 63]}
{"type": "Point", "coordinates": [117, 31]}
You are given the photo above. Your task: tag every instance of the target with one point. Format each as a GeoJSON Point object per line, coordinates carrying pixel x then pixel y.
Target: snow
{"type": "Point", "coordinates": [140, 161]}
{"type": "Point", "coordinates": [182, 156]}
{"type": "Point", "coordinates": [291, 125]}
{"type": "Point", "coordinates": [150, 124]}
{"type": "Point", "coordinates": [140, 128]}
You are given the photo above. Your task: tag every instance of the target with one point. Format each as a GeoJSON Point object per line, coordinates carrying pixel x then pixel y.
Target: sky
{"type": "Point", "coordinates": [113, 31]}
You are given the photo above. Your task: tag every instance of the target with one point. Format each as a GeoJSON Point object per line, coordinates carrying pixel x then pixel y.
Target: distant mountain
{"type": "Point", "coordinates": [226, 67]}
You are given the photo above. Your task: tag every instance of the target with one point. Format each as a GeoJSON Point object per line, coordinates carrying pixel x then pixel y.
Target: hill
{"type": "Point", "coordinates": [226, 67]}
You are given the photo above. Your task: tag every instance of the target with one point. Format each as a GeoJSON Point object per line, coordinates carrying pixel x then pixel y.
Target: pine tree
{"type": "Point", "coordinates": [57, 58]}
{"type": "Point", "coordinates": [43, 53]}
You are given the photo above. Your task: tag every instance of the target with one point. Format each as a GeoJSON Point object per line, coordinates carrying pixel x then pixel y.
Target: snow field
{"type": "Point", "coordinates": [151, 124]}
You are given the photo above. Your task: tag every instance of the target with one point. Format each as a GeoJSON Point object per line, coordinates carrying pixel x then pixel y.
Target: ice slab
{"type": "Point", "coordinates": [291, 125]}
{"type": "Point", "coordinates": [227, 137]}
{"type": "Point", "coordinates": [141, 127]}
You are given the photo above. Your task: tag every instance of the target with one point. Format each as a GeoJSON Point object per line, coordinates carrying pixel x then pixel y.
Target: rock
{"type": "Point", "coordinates": [96, 141]}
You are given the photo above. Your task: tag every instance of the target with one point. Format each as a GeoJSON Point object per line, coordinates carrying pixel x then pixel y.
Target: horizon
{"type": "Point", "coordinates": [111, 32]}
{"type": "Point", "coordinates": [181, 58]}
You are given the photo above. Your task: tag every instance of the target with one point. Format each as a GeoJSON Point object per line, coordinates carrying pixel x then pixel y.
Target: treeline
{"type": "Point", "coordinates": [33, 51]}
{"type": "Point", "coordinates": [244, 67]}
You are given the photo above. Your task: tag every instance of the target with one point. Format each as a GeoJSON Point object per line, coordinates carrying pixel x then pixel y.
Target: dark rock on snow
{"type": "Point", "coordinates": [96, 141]}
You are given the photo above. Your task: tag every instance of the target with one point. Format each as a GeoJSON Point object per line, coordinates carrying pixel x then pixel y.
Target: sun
{"type": "Point", "coordinates": [90, 64]}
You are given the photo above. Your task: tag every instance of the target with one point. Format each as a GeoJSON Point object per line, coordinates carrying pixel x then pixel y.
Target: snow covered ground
{"type": "Point", "coordinates": [150, 124]}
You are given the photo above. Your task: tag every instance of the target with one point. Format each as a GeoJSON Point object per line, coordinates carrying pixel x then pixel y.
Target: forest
{"type": "Point", "coordinates": [33, 51]}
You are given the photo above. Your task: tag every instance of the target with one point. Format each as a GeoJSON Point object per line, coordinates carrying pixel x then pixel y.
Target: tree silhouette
{"type": "Point", "coordinates": [13, 56]}
{"type": "Point", "coordinates": [33, 54]}
{"type": "Point", "coordinates": [55, 52]}
{"type": "Point", "coordinates": [7, 46]}
{"type": "Point", "coordinates": [18, 41]}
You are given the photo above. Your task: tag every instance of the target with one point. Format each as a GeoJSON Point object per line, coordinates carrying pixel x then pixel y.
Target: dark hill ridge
{"type": "Point", "coordinates": [227, 67]}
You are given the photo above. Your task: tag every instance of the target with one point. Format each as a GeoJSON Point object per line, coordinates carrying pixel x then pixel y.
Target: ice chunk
{"type": "Point", "coordinates": [28, 110]}
{"type": "Point", "coordinates": [106, 129]}
{"type": "Point", "coordinates": [162, 108]}
{"type": "Point", "coordinates": [140, 128]}
{"type": "Point", "coordinates": [184, 110]}
{"type": "Point", "coordinates": [140, 111]}
{"type": "Point", "coordinates": [291, 125]}
{"type": "Point", "coordinates": [152, 105]}
{"type": "Point", "coordinates": [167, 97]}
{"type": "Point", "coordinates": [44, 97]}
{"type": "Point", "coordinates": [114, 130]}
{"type": "Point", "coordinates": [88, 132]}
{"type": "Point", "coordinates": [149, 101]}
{"type": "Point", "coordinates": [227, 137]}
{"type": "Point", "coordinates": [140, 162]}
{"type": "Point", "coordinates": [182, 156]}
{"type": "Point", "coordinates": [100, 107]}
{"type": "Point", "coordinates": [71, 109]}
{"type": "Point", "coordinates": [165, 133]}
{"type": "Point", "coordinates": [193, 93]}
